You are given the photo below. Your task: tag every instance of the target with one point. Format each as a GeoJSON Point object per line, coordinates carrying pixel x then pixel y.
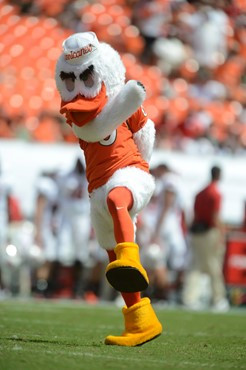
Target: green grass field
{"type": "Point", "coordinates": [68, 335]}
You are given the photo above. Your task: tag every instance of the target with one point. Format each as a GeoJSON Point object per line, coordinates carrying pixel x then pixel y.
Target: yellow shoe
{"type": "Point", "coordinates": [126, 274]}
{"type": "Point", "coordinates": [141, 325]}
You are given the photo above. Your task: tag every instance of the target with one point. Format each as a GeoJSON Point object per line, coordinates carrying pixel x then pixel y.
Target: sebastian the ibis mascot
{"type": "Point", "coordinates": [117, 138]}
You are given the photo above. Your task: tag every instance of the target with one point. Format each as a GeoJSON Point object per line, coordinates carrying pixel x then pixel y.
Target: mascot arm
{"type": "Point", "coordinates": [145, 139]}
{"type": "Point", "coordinates": [115, 112]}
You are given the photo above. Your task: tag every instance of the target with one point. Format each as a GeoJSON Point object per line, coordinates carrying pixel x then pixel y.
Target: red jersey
{"type": "Point", "coordinates": [207, 204]}
{"type": "Point", "coordinates": [116, 151]}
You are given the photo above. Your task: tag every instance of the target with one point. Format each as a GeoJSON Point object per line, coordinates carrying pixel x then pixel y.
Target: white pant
{"type": "Point", "coordinates": [73, 238]}
{"type": "Point", "coordinates": [140, 183]}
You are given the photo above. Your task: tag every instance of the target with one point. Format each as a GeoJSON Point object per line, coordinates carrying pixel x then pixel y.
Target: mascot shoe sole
{"type": "Point", "coordinates": [126, 274]}
{"type": "Point", "coordinates": [126, 279]}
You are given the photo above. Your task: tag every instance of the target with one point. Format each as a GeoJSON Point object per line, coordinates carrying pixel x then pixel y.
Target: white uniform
{"type": "Point", "coordinates": [47, 188]}
{"type": "Point", "coordinates": [172, 245]}
{"type": "Point", "coordinates": [74, 228]}
{"type": "Point", "coordinates": [171, 232]}
{"type": "Point", "coordinates": [4, 191]}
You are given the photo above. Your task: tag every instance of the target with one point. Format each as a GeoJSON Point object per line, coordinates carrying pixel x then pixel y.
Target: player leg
{"type": "Point", "coordinates": [126, 273]}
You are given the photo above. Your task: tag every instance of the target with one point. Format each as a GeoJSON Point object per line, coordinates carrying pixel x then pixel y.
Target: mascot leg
{"type": "Point", "coordinates": [129, 298]}
{"type": "Point", "coordinates": [141, 323]}
{"type": "Point", "coordinates": [125, 274]}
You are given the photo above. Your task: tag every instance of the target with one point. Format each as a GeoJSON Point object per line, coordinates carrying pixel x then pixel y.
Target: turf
{"type": "Point", "coordinates": [67, 335]}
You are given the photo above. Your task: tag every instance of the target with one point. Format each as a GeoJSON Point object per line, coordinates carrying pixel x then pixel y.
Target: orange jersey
{"type": "Point", "coordinates": [116, 151]}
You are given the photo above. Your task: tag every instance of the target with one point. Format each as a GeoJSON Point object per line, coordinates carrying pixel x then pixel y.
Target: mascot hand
{"type": "Point", "coordinates": [140, 84]}
{"type": "Point", "coordinates": [135, 92]}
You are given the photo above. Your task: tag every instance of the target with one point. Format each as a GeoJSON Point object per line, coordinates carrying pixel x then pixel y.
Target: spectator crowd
{"type": "Point", "coordinates": [190, 55]}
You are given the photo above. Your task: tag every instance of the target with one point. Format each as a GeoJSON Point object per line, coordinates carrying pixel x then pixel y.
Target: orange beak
{"type": "Point", "coordinates": [82, 110]}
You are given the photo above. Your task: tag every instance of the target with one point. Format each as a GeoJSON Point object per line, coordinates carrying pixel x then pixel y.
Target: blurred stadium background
{"type": "Point", "coordinates": [191, 57]}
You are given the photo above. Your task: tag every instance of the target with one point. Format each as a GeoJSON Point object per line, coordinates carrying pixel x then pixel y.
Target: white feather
{"type": "Point", "coordinates": [145, 139]}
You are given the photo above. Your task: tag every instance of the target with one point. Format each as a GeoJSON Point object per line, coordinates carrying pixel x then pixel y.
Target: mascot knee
{"type": "Point", "coordinates": [119, 197]}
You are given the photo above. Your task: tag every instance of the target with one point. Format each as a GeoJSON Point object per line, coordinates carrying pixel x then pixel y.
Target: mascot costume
{"type": "Point", "coordinates": [117, 138]}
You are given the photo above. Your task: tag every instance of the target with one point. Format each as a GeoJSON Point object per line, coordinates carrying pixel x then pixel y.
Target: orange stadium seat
{"type": "Point", "coordinates": [240, 4]}
{"type": "Point", "coordinates": [231, 71]}
{"type": "Point", "coordinates": [30, 46]}
{"type": "Point", "coordinates": [111, 21]}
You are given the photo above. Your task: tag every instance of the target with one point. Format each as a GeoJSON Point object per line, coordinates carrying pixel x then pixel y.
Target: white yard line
{"type": "Point", "coordinates": [187, 364]}
{"type": "Point", "coordinates": [81, 327]}
{"type": "Point", "coordinates": [59, 323]}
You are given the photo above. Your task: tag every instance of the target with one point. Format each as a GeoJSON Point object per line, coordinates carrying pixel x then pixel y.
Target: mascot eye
{"type": "Point", "coordinates": [87, 76]}
{"type": "Point", "coordinates": [69, 79]}
{"type": "Point", "coordinates": [65, 75]}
